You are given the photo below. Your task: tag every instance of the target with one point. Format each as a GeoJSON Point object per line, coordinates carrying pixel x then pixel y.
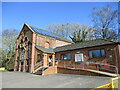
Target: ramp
{"type": "Point", "coordinates": [84, 72]}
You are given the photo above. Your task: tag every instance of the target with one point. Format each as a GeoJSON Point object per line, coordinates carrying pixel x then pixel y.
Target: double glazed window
{"type": "Point", "coordinates": [97, 53]}
{"type": "Point", "coordinates": [66, 56]}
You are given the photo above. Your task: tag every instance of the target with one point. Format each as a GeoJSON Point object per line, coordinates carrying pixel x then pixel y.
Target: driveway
{"type": "Point", "coordinates": [26, 80]}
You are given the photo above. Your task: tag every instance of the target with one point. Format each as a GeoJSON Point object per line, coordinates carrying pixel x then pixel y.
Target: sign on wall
{"type": "Point", "coordinates": [79, 57]}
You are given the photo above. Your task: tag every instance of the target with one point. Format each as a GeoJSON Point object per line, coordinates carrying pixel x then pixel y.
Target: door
{"type": "Point", "coordinates": [17, 65]}
{"type": "Point", "coordinates": [22, 66]}
{"type": "Point", "coordinates": [27, 65]}
{"type": "Point", "coordinates": [79, 57]}
{"type": "Point", "coordinates": [50, 60]}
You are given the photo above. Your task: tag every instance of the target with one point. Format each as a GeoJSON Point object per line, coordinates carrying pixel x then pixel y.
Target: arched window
{"type": "Point", "coordinates": [29, 49]}
{"type": "Point", "coordinates": [21, 41]}
{"type": "Point", "coordinates": [26, 39]}
{"type": "Point", "coordinates": [23, 52]}
{"type": "Point", "coordinates": [47, 45]}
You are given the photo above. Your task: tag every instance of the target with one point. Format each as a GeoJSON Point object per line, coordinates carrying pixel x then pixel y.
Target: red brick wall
{"type": "Point", "coordinates": [105, 60]}
{"type": "Point", "coordinates": [42, 40]}
{"type": "Point", "coordinates": [75, 71]}
{"type": "Point", "coordinates": [102, 60]}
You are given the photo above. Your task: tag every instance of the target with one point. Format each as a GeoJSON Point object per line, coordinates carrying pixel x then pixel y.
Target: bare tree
{"type": "Point", "coordinates": [8, 47]}
{"type": "Point", "coordinates": [105, 22]}
{"type": "Point", "coordinates": [83, 33]}
{"type": "Point", "coordinates": [64, 29]}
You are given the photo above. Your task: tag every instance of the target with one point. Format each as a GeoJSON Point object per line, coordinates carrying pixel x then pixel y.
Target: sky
{"type": "Point", "coordinates": [41, 14]}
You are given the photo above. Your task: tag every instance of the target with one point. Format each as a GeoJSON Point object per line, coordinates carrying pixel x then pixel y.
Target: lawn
{"type": "Point", "coordinates": [3, 69]}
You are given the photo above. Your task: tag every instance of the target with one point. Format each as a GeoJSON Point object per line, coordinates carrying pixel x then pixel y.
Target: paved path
{"type": "Point", "coordinates": [26, 80]}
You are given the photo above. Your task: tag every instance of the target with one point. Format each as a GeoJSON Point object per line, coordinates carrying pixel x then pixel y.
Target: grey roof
{"type": "Point", "coordinates": [45, 50]}
{"type": "Point", "coordinates": [86, 44]}
{"type": "Point", "coordinates": [50, 34]}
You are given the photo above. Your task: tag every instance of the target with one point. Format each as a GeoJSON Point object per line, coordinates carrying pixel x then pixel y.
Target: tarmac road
{"type": "Point", "coordinates": [26, 80]}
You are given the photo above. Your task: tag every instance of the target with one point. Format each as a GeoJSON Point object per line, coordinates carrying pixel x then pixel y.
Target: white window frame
{"type": "Point", "coordinates": [77, 56]}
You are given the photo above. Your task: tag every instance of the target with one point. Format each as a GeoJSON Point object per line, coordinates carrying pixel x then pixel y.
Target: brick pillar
{"type": "Point", "coordinates": [45, 60]}
{"type": "Point", "coordinates": [53, 60]}
{"type": "Point", "coordinates": [19, 66]}
{"type": "Point", "coordinates": [118, 58]}
{"type": "Point", "coordinates": [24, 64]}
{"type": "Point", "coordinates": [33, 52]}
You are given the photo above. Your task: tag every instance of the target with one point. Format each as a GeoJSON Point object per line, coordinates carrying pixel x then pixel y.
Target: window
{"type": "Point", "coordinates": [79, 57]}
{"type": "Point", "coordinates": [47, 45]}
{"type": "Point", "coordinates": [39, 57]}
{"type": "Point", "coordinates": [29, 49]}
{"type": "Point", "coordinates": [26, 39]}
{"type": "Point", "coordinates": [66, 56]}
{"type": "Point", "coordinates": [23, 51]}
{"type": "Point", "coordinates": [97, 53]}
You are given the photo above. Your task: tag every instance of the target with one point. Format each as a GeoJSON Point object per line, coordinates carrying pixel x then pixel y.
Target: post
{"type": "Point", "coordinates": [45, 62]}
{"type": "Point", "coordinates": [19, 66]}
{"type": "Point", "coordinates": [53, 60]}
{"type": "Point", "coordinates": [24, 62]}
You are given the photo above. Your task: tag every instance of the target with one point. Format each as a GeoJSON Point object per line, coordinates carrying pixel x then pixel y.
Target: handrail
{"type": "Point", "coordinates": [38, 65]}
{"type": "Point", "coordinates": [83, 64]}
{"type": "Point", "coordinates": [88, 63]}
{"type": "Point", "coordinates": [102, 64]}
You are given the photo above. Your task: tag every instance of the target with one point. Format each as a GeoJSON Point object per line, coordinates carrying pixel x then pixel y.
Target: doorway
{"type": "Point", "coordinates": [27, 65]}
{"type": "Point", "coordinates": [50, 60]}
{"type": "Point", "coordinates": [22, 66]}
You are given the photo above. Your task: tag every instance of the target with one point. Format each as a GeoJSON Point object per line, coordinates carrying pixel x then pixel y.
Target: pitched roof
{"type": "Point", "coordinates": [45, 50]}
{"type": "Point", "coordinates": [91, 43]}
{"type": "Point", "coordinates": [48, 33]}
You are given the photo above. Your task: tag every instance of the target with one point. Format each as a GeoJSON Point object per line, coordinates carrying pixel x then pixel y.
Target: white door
{"type": "Point", "coordinates": [79, 57]}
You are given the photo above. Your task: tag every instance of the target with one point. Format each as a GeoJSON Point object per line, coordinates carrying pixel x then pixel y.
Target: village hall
{"type": "Point", "coordinates": [43, 52]}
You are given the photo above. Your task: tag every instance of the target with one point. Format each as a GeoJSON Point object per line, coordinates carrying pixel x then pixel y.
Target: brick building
{"type": "Point", "coordinates": [34, 45]}
{"type": "Point", "coordinates": [44, 52]}
{"type": "Point", "coordinates": [99, 54]}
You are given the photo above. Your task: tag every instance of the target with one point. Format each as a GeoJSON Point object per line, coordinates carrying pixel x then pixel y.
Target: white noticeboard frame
{"type": "Point", "coordinates": [79, 57]}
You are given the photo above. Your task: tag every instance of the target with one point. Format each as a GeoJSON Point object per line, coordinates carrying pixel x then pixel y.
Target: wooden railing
{"type": "Point", "coordinates": [87, 65]}
{"type": "Point", "coordinates": [38, 65]}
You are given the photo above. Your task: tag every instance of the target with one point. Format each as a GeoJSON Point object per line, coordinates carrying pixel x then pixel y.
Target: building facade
{"type": "Point", "coordinates": [41, 51]}
{"type": "Point", "coordinates": [34, 45]}
{"type": "Point", "coordinates": [97, 54]}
